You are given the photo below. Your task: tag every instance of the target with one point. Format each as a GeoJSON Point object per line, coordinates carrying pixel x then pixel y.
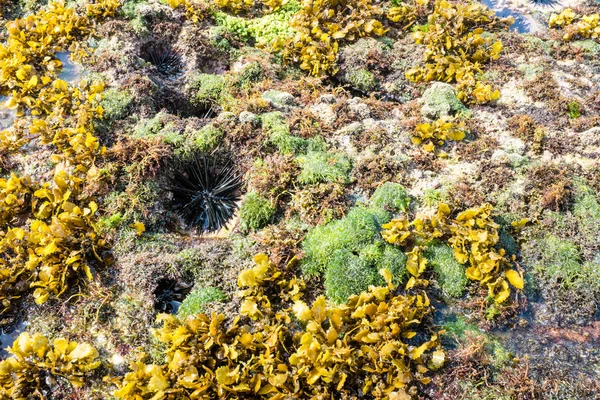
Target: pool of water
{"type": "Point", "coordinates": [522, 24]}
{"type": "Point", "coordinates": [7, 338]}
{"type": "Point", "coordinates": [71, 72]}
{"type": "Point", "coordinates": [7, 116]}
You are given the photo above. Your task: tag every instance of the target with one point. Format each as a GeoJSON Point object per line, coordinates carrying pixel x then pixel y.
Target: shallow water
{"type": "Point", "coordinates": [7, 116]}
{"type": "Point", "coordinates": [71, 72]}
{"type": "Point", "coordinates": [7, 338]}
{"type": "Point", "coordinates": [521, 24]}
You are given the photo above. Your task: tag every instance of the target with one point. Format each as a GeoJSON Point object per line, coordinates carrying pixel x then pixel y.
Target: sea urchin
{"type": "Point", "coordinates": [204, 195]}
{"type": "Point", "coordinates": [166, 60]}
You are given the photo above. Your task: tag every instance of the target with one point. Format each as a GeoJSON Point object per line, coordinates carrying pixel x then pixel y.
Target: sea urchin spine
{"type": "Point", "coordinates": [167, 61]}
{"type": "Point", "coordinates": [205, 196]}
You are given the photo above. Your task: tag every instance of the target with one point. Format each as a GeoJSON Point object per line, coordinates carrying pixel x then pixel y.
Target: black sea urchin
{"type": "Point", "coordinates": [166, 60]}
{"type": "Point", "coordinates": [204, 195]}
{"type": "Point", "coordinates": [545, 3]}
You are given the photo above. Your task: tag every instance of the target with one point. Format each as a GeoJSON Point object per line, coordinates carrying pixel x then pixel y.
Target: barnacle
{"type": "Point", "coordinates": [204, 195]}
{"type": "Point", "coordinates": [457, 48]}
{"type": "Point", "coordinates": [371, 339]}
{"type": "Point", "coordinates": [576, 26]}
{"type": "Point", "coordinates": [34, 359]}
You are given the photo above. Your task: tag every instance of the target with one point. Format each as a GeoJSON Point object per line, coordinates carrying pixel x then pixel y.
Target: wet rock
{"type": "Point", "coordinates": [7, 115]}
{"type": "Point", "coordinates": [353, 129]}
{"type": "Point", "coordinates": [248, 117]}
{"type": "Point", "coordinates": [591, 137]}
{"type": "Point", "coordinates": [327, 99]}
{"type": "Point", "coordinates": [324, 112]}
{"type": "Point", "coordinates": [358, 107]}
{"type": "Point", "coordinates": [279, 100]}
{"type": "Point", "coordinates": [390, 126]}
{"type": "Point", "coordinates": [225, 116]}
{"type": "Point", "coordinates": [440, 100]}
{"type": "Point", "coordinates": [512, 145]}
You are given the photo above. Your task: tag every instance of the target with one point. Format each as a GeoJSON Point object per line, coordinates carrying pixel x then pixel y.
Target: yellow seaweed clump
{"type": "Point", "coordinates": [407, 14]}
{"type": "Point", "coordinates": [430, 135]}
{"type": "Point", "coordinates": [14, 198]}
{"type": "Point", "coordinates": [27, 57]}
{"type": "Point", "coordinates": [457, 48]}
{"type": "Point", "coordinates": [287, 349]}
{"type": "Point", "coordinates": [235, 6]}
{"type": "Point", "coordinates": [323, 25]}
{"type": "Point", "coordinates": [54, 238]}
{"type": "Point", "coordinates": [575, 26]}
{"type": "Point", "coordinates": [54, 247]}
{"type": "Point", "coordinates": [474, 237]}
{"type": "Point", "coordinates": [34, 359]}
{"type": "Point", "coordinates": [195, 10]}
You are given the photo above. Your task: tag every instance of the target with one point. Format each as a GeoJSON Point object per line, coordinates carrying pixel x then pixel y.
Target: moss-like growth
{"type": "Point", "coordinates": [110, 222]}
{"type": "Point", "coordinates": [264, 30]}
{"type": "Point", "coordinates": [457, 325]}
{"type": "Point", "coordinates": [250, 74]}
{"type": "Point", "coordinates": [362, 80]}
{"type": "Point", "coordinates": [561, 263]}
{"type": "Point", "coordinates": [149, 127]}
{"type": "Point", "coordinates": [278, 134]}
{"type": "Point", "coordinates": [434, 197]}
{"type": "Point", "coordinates": [441, 100]}
{"type": "Point", "coordinates": [449, 273]}
{"type": "Point", "coordinates": [158, 127]}
{"type": "Point", "coordinates": [128, 8]}
{"type": "Point", "coordinates": [360, 227]}
{"type": "Point", "coordinates": [586, 207]}
{"type": "Point", "coordinates": [574, 109]}
{"type": "Point", "coordinates": [207, 89]}
{"type": "Point", "coordinates": [349, 253]}
{"type": "Point", "coordinates": [207, 138]}
{"type": "Point", "coordinates": [391, 196]}
{"type": "Point", "coordinates": [255, 212]}
{"type": "Point", "coordinates": [346, 275]}
{"type": "Point", "coordinates": [115, 103]}
{"type": "Point", "coordinates": [349, 273]}
{"type": "Point", "coordinates": [589, 46]}
{"type": "Point", "coordinates": [324, 167]}
{"type": "Point", "coordinates": [196, 301]}
{"type": "Point", "coordinates": [380, 255]}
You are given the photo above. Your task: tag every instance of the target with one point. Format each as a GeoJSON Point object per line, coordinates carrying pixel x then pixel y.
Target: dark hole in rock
{"type": "Point", "coordinates": [176, 101]}
{"type": "Point", "coordinates": [169, 294]}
